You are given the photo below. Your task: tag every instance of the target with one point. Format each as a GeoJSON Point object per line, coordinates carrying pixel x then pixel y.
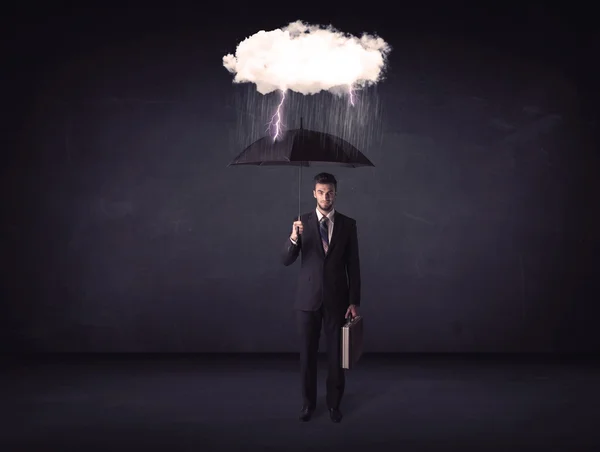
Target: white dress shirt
{"type": "Point", "coordinates": [330, 217]}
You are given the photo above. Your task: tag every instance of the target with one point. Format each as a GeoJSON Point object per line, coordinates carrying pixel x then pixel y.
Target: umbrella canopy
{"type": "Point", "coordinates": [302, 147]}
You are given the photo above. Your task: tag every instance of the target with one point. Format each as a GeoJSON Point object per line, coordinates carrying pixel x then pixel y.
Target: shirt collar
{"type": "Point", "coordinates": [330, 215]}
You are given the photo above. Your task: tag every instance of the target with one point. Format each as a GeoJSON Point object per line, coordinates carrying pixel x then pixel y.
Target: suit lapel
{"type": "Point", "coordinates": [337, 230]}
{"type": "Point", "coordinates": [315, 222]}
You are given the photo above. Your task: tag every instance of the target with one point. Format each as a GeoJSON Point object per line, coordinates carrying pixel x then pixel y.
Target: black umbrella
{"type": "Point", "coordinates": [302, 147]}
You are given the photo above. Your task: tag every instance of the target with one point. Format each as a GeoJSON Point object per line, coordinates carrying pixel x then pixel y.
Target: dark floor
{"type": "Point", "coordinates": [201, 404]}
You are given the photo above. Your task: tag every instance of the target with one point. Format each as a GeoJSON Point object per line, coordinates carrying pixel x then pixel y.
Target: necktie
{"type": "Point", "coordinates": [324, 234]}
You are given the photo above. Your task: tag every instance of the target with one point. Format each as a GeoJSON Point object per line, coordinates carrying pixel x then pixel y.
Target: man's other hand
{"type": "Point", "coordinates": [351, 312]}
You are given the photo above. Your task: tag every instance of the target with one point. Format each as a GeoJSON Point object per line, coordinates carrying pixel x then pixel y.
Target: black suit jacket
{"type": "Point", "coordinates": [332, 279]}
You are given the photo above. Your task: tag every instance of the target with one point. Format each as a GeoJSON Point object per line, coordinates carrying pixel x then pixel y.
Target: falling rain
{"type": "Point", "coordinates": [360, 124]}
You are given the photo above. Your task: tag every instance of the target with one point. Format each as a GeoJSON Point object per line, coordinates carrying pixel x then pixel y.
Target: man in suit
{"type": "Point", "coordinates": [328, 290]}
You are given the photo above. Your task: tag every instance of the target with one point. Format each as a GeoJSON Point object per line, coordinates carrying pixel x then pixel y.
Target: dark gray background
{"type": "Point", "coordinates": [124, 230]}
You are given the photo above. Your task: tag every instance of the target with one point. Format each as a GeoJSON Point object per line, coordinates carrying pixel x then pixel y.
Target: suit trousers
{"type": "Point", "coordinates": [309, 328]}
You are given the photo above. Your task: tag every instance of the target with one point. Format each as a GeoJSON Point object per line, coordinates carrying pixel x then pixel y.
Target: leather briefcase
{"type": "Point", "coordinates": [352, 342]}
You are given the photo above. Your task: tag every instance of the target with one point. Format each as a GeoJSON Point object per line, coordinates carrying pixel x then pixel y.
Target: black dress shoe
{"type": "Point", "coordinates": [335, 415]}
{"type": "Point", "coordinates": [306, 413]}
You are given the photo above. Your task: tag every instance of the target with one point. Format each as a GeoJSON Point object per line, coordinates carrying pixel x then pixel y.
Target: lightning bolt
{"type": "Point", "coordinates": [351, 93]}
{"type": "Point", "coordinates": [276, 119]}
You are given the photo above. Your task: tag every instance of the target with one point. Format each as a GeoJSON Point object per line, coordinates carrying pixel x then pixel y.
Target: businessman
{"type": "Point", "coordinates": [328, 290]}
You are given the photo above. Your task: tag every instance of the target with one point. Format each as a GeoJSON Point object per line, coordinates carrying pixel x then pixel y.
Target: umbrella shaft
{"type": "Point", "coordinates": [299, 190]}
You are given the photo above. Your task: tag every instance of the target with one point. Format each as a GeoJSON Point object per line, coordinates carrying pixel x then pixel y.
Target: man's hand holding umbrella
{"type": "Point", "coordinates": [297, 229]}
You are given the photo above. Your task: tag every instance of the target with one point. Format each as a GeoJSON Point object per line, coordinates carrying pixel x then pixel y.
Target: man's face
{"type": "Point", "coordinates": [325, 196]}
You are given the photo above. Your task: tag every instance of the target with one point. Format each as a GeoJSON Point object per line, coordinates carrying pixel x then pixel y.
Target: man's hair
{"type": "Point", "coordinates": [326, 178]}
